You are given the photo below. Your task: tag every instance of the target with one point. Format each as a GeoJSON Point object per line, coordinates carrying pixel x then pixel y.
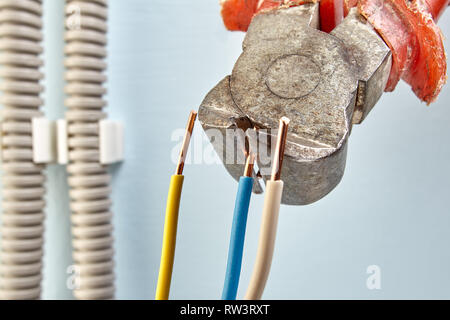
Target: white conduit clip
{"type": "Point", "coordinates": [43, 139]}
{"type": "Point", "coordinates": [50, 141]}
{"type": "Point", "coordinates": [22, 232]}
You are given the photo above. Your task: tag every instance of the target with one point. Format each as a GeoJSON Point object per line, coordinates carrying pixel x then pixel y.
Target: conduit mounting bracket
{"type": "Point", "coordinates": [50, 141]}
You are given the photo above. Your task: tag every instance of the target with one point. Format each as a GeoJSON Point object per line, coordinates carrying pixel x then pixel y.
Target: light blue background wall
{"type": "Point", "coordinates": [391, 209]}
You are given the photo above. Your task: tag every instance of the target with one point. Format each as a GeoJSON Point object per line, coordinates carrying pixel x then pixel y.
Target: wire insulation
{"type": "Point", "coordinates": [237, 238]}
{"type": "Point", "coordinates": [266, 244]}
{"type": "Point", "coordinates": [169, 237]}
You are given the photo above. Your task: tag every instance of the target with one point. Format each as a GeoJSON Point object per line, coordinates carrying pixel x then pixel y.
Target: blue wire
{"type": "Point", "coordinates": [237, 238]}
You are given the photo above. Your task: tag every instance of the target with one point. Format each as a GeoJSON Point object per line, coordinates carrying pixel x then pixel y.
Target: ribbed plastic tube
{"type": "Point", "coordinates": [88, 180]}
{"type": "Point", "coordinates": [22, 180]}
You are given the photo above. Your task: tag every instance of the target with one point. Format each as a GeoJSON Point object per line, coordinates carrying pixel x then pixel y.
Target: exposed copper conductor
{"type": "Point", "coordinates": [249, 165]}
{"type": "Point", "coordinates": [186, 141]}
{"type": "Point", "coordinates": [279, 150]}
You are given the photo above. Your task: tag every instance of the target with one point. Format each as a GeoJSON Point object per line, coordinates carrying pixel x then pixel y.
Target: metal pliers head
{"type": "Point", "coordinates": [324, 83]}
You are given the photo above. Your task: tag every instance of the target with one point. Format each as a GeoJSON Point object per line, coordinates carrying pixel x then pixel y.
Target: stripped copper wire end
{"type": "Point", "coordinates": [279, 150]}
{"type": "Point", "coordinates": [186, 141]}
{"type": "Point", "coordinates": [249, 165]}
{"type": "Point", "coordinates": [258, 174]}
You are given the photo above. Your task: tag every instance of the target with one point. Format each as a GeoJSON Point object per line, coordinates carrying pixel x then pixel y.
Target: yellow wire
{"type": "Point", "coordinates": [169, 238]}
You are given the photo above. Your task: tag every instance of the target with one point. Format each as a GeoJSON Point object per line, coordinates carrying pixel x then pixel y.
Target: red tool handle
{"type": "Point", "coordinates": [331, 14]}
{"type": "Point", "coordinates": [416, 42]}
{"type": "Point", "coordinates": [437, 7]}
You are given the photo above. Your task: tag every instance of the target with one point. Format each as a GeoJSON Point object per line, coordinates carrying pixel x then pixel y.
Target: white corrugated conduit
{"type": "Point", "coordinates": [89, 180]}
{"type": "Point", "coordinates": [22, 180]}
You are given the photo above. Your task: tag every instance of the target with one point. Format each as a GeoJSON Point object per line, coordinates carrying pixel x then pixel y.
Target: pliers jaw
{"type": "Point", "coordinates": [322, 82]}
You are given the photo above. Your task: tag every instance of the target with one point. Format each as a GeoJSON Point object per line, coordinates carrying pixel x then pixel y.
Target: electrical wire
{"type": "Point", "coordinates": [171, 219]}
{"type": "Point", "coordinates": [237, 237]}
{"type": "Point", "coordinates": [89, 180]}
{"type": "Point", "coordinates": [23, 181]}
{"type": "Point", "coordinates": [267, 235]}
